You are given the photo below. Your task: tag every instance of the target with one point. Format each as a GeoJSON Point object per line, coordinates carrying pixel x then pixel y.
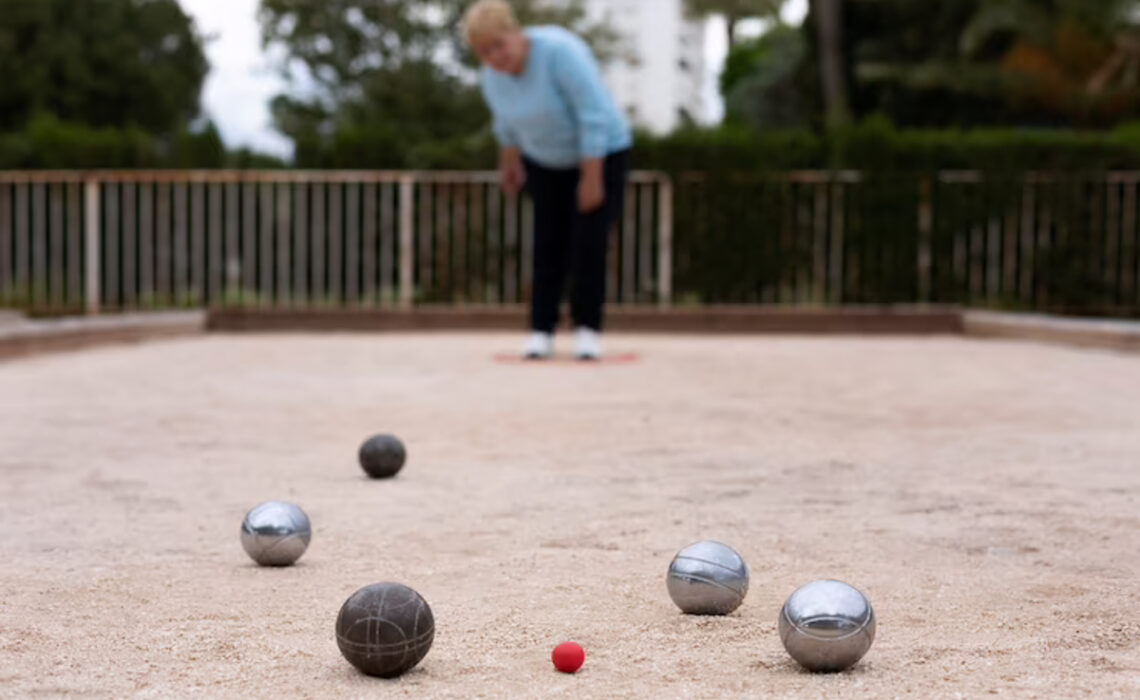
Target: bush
{"type": "Point", "coordinates": [51, 144]}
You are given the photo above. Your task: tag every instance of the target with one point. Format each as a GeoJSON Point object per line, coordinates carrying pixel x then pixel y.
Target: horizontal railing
{"type": "Point", "coordinates": [139, 240]}
{"type": "Point", "coordinates": [104, 241]}
{"type": "Point", "coordinates": [1049, 241]}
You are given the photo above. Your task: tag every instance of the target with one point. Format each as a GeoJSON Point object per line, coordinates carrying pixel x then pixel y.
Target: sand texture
{"type": "Point", "coordinates": [985, 495]}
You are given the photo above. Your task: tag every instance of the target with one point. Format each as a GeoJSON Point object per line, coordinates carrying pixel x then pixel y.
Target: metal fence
{"type": "Point", "coordinates": [74, 242]}
{"type": "Point", "coordinates": [1067, 242]}
{"type": "Point", "coordinates": [110, 241]}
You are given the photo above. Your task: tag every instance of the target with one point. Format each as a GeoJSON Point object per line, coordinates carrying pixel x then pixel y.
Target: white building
{"type": "Point", "coordinates": [664, 76]}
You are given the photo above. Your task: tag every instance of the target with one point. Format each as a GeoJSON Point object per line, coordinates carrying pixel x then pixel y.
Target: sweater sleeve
{"type": "Point", "coordinates": [504, 134]}
{"type": "Point", "coordinates": [579, 79]}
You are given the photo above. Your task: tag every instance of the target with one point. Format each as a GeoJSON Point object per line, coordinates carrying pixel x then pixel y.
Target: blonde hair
{"type": "Point", "coordinates": [488, 17]}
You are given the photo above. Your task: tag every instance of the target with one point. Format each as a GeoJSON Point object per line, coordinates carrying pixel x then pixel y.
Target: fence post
{"type": "Point", "coordinates": [407, 240]}
{"type": "Point", "coordinates": [665, 242]}
{"type": "Point", "coordinates": [92, 244]}
{"type": "Point", "coordinates": [925, 235]}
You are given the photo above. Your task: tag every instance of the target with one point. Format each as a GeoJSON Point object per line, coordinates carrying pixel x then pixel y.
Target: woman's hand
{"type": "Point", "coordinates": [512, 174]}
{"type": "Point", "coordinates": [591, 189]}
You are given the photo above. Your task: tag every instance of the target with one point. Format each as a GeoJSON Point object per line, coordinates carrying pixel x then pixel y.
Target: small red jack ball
{"type": "Point", "coordinates": [568, 657]}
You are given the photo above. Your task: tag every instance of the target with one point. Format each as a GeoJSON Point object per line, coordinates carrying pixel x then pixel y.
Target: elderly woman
{"type": "Point", "coordinates": [563, 137]}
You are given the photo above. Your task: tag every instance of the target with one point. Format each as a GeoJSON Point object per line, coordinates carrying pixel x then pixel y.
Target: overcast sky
{"type": "Point", "coordinates": [242, 81]}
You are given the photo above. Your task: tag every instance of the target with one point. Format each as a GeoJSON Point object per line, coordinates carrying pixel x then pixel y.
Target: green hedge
{"type": "Point", "coordinates": [48, 143]}
{"type": "Point", "coordinates": [877, 146]}
{"type": "Point", "coordinates": [873, 146]}
{"type": "Point", "coordinates": [744, 233]}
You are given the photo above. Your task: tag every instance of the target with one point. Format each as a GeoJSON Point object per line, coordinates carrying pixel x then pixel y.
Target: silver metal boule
{"type": "Point", "coordinates": [827, 626]}
{"type": "Point", "coordinates": [275, 533]}
{"type": "Point", "coordinates": [707, 578]}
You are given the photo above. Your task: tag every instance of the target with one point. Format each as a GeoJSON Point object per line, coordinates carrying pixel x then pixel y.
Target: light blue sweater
{"type": "Point", "coordinates": [558, 112]}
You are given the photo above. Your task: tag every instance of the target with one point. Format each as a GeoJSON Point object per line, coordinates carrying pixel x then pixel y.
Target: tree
{"type": "Point", "coordinates": [734, 11]}
{"type": "Point", "coordinates": [833, 72]}
{"type": "Point", "coordinates": [103, 63]}
{"type": "Point", "coordinates": [390, 74]}
{"type": "Point", "coordinates": [978, 62]}
{"type": "Point", "coordinates": [760, 81]}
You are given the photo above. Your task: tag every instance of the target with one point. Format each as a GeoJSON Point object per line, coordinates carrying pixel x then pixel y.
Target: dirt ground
{"type": "Point", "coordinates": [985, 495]}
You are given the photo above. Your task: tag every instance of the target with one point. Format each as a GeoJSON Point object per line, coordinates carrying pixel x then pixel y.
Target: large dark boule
{"type": "Point", "coordinates": [382, 456]}
{"type": "Point", "coordinates": [385, 629]}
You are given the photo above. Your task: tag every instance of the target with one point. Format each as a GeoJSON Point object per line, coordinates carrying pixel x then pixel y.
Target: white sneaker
{"type": "Point", "coordinates": [587, 344]}
{"type": "Point", "coordinates": [539, 346]}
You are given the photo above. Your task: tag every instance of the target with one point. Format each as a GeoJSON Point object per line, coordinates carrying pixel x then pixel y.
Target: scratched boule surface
{"type": "Point", "coordinates": [985, 496]}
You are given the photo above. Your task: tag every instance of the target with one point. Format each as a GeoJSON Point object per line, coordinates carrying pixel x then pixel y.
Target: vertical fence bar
{"type": "Point", "coordinates": [511, 292]}
{"type": "Point", "coordinates": [526, 247]}
{"type": "Point", "coordinates": [146, 243]}
{"type": "Point", "coordinates": [460, 252]}
{"type": "Point", "coordinates": [91, 243]}
{"type": "Point", "coordinates": [442, 238]}
{"type": "Point", "coordinates": [480, 282]}
{"type": "Point", "coordinates": [925, 238]}
{"type": "Point", "coordinates": [39, 244]}
{"type": "Point", "coordinates": [836, 249]}
{"type": "Point", "coordinates": [665, 242]}
{"type": "Point", "coordinates": [215, 254]}
{"type": "Point", "coordinates": [424, 240]}
{"type": "Point", "coordinates": [74, 246]}
{"type": "Point", "coordinates": [389, 242]}
{"type": "Point", "coordinates": [1128, 246]}
{"type": "Point", "coordinates": [22, 245]}
{"type": "Point", "coordinates": [1043, 238]}
{"type": "Point", "coordinates": [265, 242]}
{"type": "Point", "coordinates": [249, 241]}
{"type": "Point", "coordinates": [1026, 260]}
{"type": "Point", "coordinates": [57, 254]}
{"type": "Point", "coordinates": [645, 243]}
{"type": "Point", "coordinates": [130, 244]}
{"type": "Point", "coordinates": [336, 243]}
{"type": "Point", "coordinates": [819, 243]}
{"type": "Point", "coordinates": [1010, 233]}
{"type": "Point", "coordinates": [320, 239]}
{"type": "Point", "coordinates": [407, 241]}
{"type": "Point", "coordinates": [164, 247]}
{"type": "Point", "coordinates": [197, 288]}
{"type": "Point", "coordinates": [495, 243]}
{"type": "Point", "coordinates": [301, 236]}
{"type": "Point", "coordinates": [232, 284]}
{"type": "Point", "coordinates": [111, 239]}
{"type": "Point", "coordinates": [1111, 267]}
{"type": "Point", "coordinates": [284, 244]}
{"type": "Point", "coordinates": [368, 246]}
{"type": "Point", "coordinates": [181, 244]}
{"type": "Point", "coordinates": [782, 242]}
{"type": "Point", "coordinates": [6, 285]}
{"type": "Point", "coordinates": [628, 250]}
{"type": "Point", "coordinates": [352, 243]}
{"type": "Point", "coordinates": [993, 259]}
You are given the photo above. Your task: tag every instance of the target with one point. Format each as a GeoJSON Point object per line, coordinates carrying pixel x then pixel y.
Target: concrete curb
{"type": "Point", "coordinates": [705, 320]}
{"type": "Point", "coordinates": [1076, 332]}
{"type": "Point", "coordinates": [25, 337]}
{"type": "Point", "coordinates": [21, 337]}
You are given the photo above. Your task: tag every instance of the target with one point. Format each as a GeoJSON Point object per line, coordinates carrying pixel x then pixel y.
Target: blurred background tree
{"type": "Point", "coordinates": [100, 62]}
{"type": "Point", "coordinates": [736, 11]}
{"type": "Point", "coordinates": [387, 83]}
{"type": "Point", "coordinates": [983, 62]}
{"type": "Point", "coordinates": [103, 83]}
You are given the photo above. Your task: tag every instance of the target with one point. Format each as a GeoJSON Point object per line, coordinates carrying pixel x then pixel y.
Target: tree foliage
{"type": "Point", "coordinates": [393, 76]}
{"type": "Point", "coordinates": [760, 81]}
{"type": "Point", "coordinates": [1039, 63]}
{"type": "Point", "coordinates": [736, 10]}
{"type": "Point", "coordinates": [103, 63]}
